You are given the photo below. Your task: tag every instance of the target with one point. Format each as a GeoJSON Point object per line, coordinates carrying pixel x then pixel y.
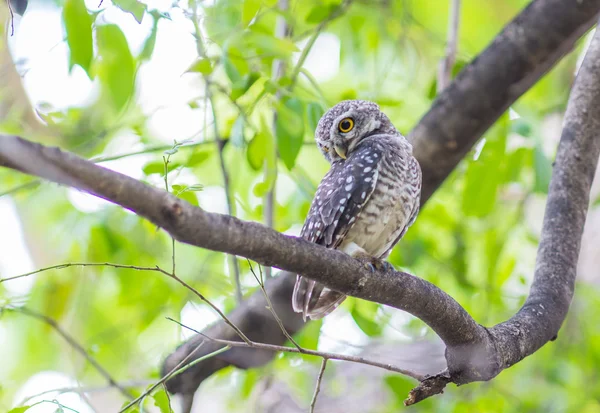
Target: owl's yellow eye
{"type": "Point", "coordinates": [346, 125]}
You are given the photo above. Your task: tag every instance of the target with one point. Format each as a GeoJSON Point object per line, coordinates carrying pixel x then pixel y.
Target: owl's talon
{"type": "Point", "coordinates": [371, 263]}
{"type": "Point", "coordinates": [387, 266]}
{"type": "Point", "coordinates": [369, 266]}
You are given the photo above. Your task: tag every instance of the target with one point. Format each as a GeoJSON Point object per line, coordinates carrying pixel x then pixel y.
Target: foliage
{"type": "Point", "coordinates": [472, 239]}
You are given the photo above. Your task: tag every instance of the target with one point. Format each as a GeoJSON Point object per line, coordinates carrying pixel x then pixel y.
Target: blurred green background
{"type": "Point", "coordinates": [125, 83]}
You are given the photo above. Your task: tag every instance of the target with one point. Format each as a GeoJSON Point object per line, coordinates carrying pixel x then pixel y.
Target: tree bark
{"type": "Point", "coordinates": [520, 55]}
{"type": "Point", "coordinates": [473, 352]}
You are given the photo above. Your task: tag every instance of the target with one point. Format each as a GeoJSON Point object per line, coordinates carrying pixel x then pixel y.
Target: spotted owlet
{"type": "Point", "coordinates": [367, 200]}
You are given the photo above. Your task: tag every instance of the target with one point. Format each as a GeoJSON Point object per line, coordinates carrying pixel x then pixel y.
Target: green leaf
{"type": "Point", "coordinates": [262, 188]}
{"type": "Point", "coordinates": [117, 67]}
{"type": "Point", "coordinates": [364, 314]}
{"type": "Point", "coordinates": [518, 161]}
{"type": "Point", "coordinates": [249, 10]}
{"type": "Point", "coordinates": [235, 66]}
{"type": "Point", "coordinates": [522, 127]}
{"type": "Point", "coordinates": [319, 13]}
{"type": "Point", "coordinates": [400, 386]}
{"type": "Point", "coordinates": [269, 44]}
{"type": "Point", "coordinates": [314, 111]}
{"type": "Point", "coordinates": [133, 7]}
{"type": "Point", "coordinates": [161, 400]}
{"type": "Point", "coordinates": [543, 170]}
{"type": "Point", "coordinates": [505, 270]}
{"type": "Point", "coordinates": [251, 378]}
{"type": "Point", "coordinates": [78, 25]}
{"type": "Point", "coordinates": [257, 151]}
{"type": "Point", "coordinates": [432, 90]}
{"type": "Point", "coordinates": [309, 336]}
{"type": "Point", "coordinates": [150, 42]}
{"type": "Point", "coordinates": [199, 156]}
{"type": "Point", "coordinates": [201, 66]}
{"type": "Point", "coordinates": [289, 128]}
{"type": "Point", "coordinates": [459, 65]}
{"type": "Point", "coordinates": [230, 70]}
{"type": "Point", "coordinates": [245, 83]}
{"type": "Point", "coordinates": [20, 409]}
{"type": "Point", "coordinates": [484, 175]}
{"type": "Point", "coordinates": [158, 167]}
{"type": "Point", "coordinates": [188, 196]}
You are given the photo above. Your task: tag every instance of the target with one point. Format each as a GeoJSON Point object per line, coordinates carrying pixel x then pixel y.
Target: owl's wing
{"type": "Point", "coordinates": [337, 204]}
{"type": "Point", "coordinates": [413, 193]}
{"type": "Point", "coordinates": [340, 198]}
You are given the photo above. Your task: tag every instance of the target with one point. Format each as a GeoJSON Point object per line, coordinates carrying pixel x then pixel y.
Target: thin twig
{"type": "Point", "coordinates": [230, 207]}
{"type": "Point", "coordinates": [155, 269]}
{"type": "Point", "coordinates": [220, 142]}
{"type": "Point", "coordinates": [166, 161]}
{"type": "Point", "coordinates": [149, 149]}
{"type": "Point", "coordinates": [207, 301]}
{"type": "Point", "coordinates": [318, 385]}
{"type": "Point", "coordinates": [73, 343]}
{"type": "Point", "coordinates": [321, 26]}
{"type": "Point", "coordinates": [90, 389]}
{"type": "Point", "coordinates": [56, 402]}
{"type": "Point", "coordinates": [446, 65]}
{"type": "Point", "coordinates": [78, 264]}
{"type": "Point", "coordinates": [100, 159]}
{"type": "Point", "coordinates": [282, 30]}
{"type": "Point", "coordinates": [174, 372]}
{"type": "Point", "coordinates": [322, 354]}
{"type": "Point", "coordinates": [270, 307]}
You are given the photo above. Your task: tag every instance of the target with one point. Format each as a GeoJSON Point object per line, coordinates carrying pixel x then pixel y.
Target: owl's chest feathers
{"type": "Point", "coordinates": [386, 213]}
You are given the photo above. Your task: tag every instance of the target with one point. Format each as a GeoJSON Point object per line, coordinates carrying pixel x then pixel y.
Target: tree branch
{"type": "Point", "coordinates": [473, 352]}
{"type": "Point", "coordinates": [176, 371]}
{"type": "Point", "coordinates": [224, 233]}
{"type": "Point", "coordinates": [324, 355]}
{"type": "Point", "coordinates": [521, 54]}
{"type": "Point", "coordinates": [318, 385]}
{"type": "Point", "coordinates": [447, 63]}
{"type": "Point", "coordinates": [220, 142]}
{"type": "Point", "coordinates": [282, 30]}
{"type": "Point", "coordinates": [73, 343]}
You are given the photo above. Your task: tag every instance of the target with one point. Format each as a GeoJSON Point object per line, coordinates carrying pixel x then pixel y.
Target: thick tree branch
{"type": "Point", "coordinates": [473, 352]}
{"type": "Point", "coordinates": [522, 53]}
{"type": "Point", "coordinates": [224, 233]}
{"type": "Point", "coordinates": [525, 50]}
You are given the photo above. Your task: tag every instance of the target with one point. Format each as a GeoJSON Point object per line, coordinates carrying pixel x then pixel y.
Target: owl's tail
{"type": "Point", "coordinates": [314, 300]}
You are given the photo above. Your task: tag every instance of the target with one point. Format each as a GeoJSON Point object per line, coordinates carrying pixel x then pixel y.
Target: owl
{"type": "Point", "coordinates": [367, 200]}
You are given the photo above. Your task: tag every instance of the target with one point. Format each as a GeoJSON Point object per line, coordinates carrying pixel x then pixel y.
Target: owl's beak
{"type": "Point", "coordinates": [340, 150]}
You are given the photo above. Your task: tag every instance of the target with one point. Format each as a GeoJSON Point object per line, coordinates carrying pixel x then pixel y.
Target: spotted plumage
{"type": "Point", "coordinates": [367, 200]}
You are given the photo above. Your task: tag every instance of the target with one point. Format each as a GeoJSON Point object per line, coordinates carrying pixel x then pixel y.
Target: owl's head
{"type": "Point", "coordinates": [343, 126]}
